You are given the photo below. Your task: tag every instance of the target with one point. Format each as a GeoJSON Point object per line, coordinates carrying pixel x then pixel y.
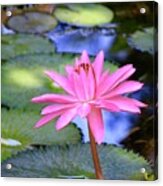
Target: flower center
{"type": "Point", "coordinates": [84, 66]}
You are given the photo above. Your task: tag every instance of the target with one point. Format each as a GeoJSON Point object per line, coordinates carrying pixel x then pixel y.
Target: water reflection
{"type": "Point", "coordinates": [75, 40]}
{"type": "Point", "coordinates": [117, 125]}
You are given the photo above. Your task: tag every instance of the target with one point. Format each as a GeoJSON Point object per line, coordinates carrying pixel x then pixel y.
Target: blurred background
{"type": "Point", "coordinates": [48, 36]}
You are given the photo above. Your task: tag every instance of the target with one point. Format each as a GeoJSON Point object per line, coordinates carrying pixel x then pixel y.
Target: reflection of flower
{"type": "Point", "coordinates": [89, 90]}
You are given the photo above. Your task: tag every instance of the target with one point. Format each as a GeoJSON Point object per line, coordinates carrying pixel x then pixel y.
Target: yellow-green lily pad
{"type": "Point", "coordinates": [84, 14]}
{"type": "Point", "coordinates": [23, 78]}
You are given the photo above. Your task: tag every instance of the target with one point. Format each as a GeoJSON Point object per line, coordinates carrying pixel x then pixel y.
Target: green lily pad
{"type": "Point", "coordinates": [75, 161]}
{"type": "Point", "coordinates": [143, 40]}
{"type": "Point", "coordinates": [18, 126]}
{"type": "Point", "coordinates": [22, 44]}
{"type": "Point", "coordinates": [84, 14]}
{"type": "Point", "coordinates": [23, 78]}
{"type": "Point", "coordinates": [32, 22]}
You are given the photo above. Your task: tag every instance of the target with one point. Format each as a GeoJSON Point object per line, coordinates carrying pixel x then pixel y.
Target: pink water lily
{"type": "Point", "coordinates": [89, 89]}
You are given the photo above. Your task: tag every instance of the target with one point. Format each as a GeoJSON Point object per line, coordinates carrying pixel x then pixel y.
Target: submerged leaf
{"type": "Point", "coordinates": [32, 22]}
{"type": "Point", "coordinates": [18, 125]}
{"type": "Point", "coordinates": [143, 40]}
{"type": "Point", "coordinates": [21, 44]}
{"type": "Point", "coordinates": [76, 161]}
{"type": "Point", "coordinates": [84, 14]}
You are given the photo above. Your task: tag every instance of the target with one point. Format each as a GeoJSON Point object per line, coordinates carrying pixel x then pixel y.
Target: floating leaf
{"type": "Point", "coordinates": [76, 161]}
{"type": "Point", "coordinates": [84, 14]}
{"type": "Point", "coordinates": [24, 78]}
{"type": "Point", "coordinates": [18, 125]}
{"type": "Point", "coordinates": [68, 39]}
{"type": "Point", "coordinates": [21, 44]}
{"type": "Point", "coordinates": [143, 40]}
{"type": "Point", "coordinates": [32, 22]}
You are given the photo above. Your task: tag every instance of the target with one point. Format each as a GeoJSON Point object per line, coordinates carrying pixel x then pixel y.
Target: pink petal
{"type": "Point", "coordinates": [69, 69]}
{"type": "Point", "coordinates": [60, 80]}
{"type": "Point", "coordinates": [45, 119]}
{"type": "Point", "coordinates": [77, 62]}
{"type": "Point", "coordinates": [123, 77]}
{"type": "Point", "coordinates": [56, 108]}
{"type": "Point", "coordinates": [109, 106]}
{"type": "Point", "coordinates": [78, 88]}
{"type": "Point", "coordinates": [96, 124]}
{"type": "Point", "coordinates": [115, 78]}
{"type": "Point", "coordinates": [53, 98]}
{"type": "Point", "coordinates": [65, 118]}
{"type": "Point", "coordinates": [139, 104]}
{"type": "Point", "coordinates": [104, 76]}
{"type": "Point", "coordinates": [125, 87]}
{"type": "Point", "coordinates": [85, 83]}
{"type": "Point", "coordinates": [91, 83]}
{"type": "Point", "coordinates": [98, 65]}
{"type": "Point", "coordinates": [125, 104]}
{"type": "Point", "coordinates": [84, 57]}
{"type": "Point", "coordinates": [101, 85]}
{"type": "Point", "coordinates": [84, 110]}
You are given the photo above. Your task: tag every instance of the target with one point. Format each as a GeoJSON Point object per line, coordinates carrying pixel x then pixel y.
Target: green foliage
{"type": "Point", "coordinates": [23, 78]}
{"type": "Point", "coordinates": [18, 125]}
{"type": "Point", "coordinates": [76, 161]}
{"type": "Point", "coordinates": [143, 40]}
{"type": "Point", "coordinates": [84, 14]}
{"type": "Point", "coordinates": [32, 22]}
{"type": "Point", "coordinates": [21, 44]}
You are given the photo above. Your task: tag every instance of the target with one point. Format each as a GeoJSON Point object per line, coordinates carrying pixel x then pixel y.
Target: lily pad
{"type": "Point", "coordinates": [76, 161]}
{"type": "Point", "coordinates": [22, 44]}
{"type": "Point", "coordinates": [18, 126]}
{"type": "Point", "coordinates": [84, 14]}
{"type": "Point", "coordinates": [23, 78]}
{"type": "Point", "coordinates": [32, 22]}
{"type": "Point", "coordinates": [143, 40]}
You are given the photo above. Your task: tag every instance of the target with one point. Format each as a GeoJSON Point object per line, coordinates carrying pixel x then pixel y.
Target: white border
{"type": "Point", "coordinates": [50, 182]}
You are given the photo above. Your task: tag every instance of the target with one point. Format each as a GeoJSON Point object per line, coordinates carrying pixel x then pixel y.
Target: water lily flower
{"type": "Point", "coordinates": [89, 89]}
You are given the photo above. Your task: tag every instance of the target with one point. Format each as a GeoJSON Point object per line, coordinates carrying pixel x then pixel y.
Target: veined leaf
{"type": "Point", "coordinates": [18, 125]}
{"type": "Point", "coordinates": [76, 161]}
